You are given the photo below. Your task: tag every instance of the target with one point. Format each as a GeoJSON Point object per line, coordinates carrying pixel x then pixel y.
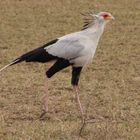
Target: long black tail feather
{"type": "Point", "coordinates": [12, 63]}
{"type": "Point", "coordinates": [36, 55]}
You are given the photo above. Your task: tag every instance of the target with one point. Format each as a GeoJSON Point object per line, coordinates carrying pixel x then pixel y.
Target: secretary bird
{"type": "Point", "coordinates": [75, 49]}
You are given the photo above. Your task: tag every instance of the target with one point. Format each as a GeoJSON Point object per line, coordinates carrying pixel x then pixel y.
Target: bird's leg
{"type": "Point", "coordinates": [45, 98]}
{"type": "Point", "coordinates": [76, 90]}
{"type": "Point", "coordinates": [56, 67]}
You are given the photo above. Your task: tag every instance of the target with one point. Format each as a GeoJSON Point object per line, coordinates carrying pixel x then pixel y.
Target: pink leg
{"type": "Point", "coordinates": [45, 99]}
{"type": "Point", "coordinates": [46, 96]}
{"type": "Point", "coordinates": [75, 88]}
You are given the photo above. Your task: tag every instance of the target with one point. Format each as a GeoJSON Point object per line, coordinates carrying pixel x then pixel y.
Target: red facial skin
{"type": "Point", "coordinates": [105, 15]}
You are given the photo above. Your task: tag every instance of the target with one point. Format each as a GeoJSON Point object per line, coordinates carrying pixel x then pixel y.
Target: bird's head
{"type": "Point", "coordinates": [91, 18]}
{"type": "Point", "coordinates": [104, 16]}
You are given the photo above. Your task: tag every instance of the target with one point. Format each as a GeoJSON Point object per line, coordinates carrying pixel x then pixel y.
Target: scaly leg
{"type": "Point", "coordinates": [45, 99]}
{"type": "Point", "coordinates": [75, 88]}
{"type": "Point", "coordinates": [58, 65]}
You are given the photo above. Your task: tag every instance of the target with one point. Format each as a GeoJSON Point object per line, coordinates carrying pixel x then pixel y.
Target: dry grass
{"type": "Point", "coordinates": [109, 87]}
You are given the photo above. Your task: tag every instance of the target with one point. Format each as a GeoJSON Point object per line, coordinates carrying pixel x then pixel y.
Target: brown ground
{"type": "Point", "coordinates": [109, 87]}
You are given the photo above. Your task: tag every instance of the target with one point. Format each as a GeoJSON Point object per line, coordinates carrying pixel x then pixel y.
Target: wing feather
{"type": "Point", "coordinates": [67, 48]}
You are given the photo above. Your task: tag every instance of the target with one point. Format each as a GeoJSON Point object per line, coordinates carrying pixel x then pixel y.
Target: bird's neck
{"type": "Point", "coordinates": [95, 31]}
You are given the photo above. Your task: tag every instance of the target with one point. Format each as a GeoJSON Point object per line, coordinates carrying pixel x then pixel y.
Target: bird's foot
{"type": "Point", "coordinates": [83, 125]}
{"type": "Point", "coordinates": [86, 121]}
{"type": "Point", "coordinates": [43, 114]}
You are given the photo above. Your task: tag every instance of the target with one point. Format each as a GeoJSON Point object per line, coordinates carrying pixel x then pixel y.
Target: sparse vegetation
{"type": "Point", "coordinates": [110, 86]}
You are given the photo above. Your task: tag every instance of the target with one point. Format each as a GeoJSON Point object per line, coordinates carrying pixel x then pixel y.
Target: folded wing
{"type": "Point", "coordinates": [66, 49]}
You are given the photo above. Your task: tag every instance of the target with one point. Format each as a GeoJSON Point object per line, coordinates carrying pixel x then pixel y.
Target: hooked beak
{"type": "Point", "coordinates": [109, 18]}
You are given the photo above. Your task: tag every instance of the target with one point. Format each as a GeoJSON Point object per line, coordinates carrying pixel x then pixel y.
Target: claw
{"type": "Point", "coordinates": [42, 114]}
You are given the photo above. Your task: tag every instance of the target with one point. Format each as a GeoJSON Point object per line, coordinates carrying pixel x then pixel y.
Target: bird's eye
{"type": "Point", "coordinates": [105, 15]}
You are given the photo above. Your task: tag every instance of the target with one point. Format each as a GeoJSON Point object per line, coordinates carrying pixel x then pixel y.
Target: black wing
{"type": "Point", "coordinates": [37, 55]}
